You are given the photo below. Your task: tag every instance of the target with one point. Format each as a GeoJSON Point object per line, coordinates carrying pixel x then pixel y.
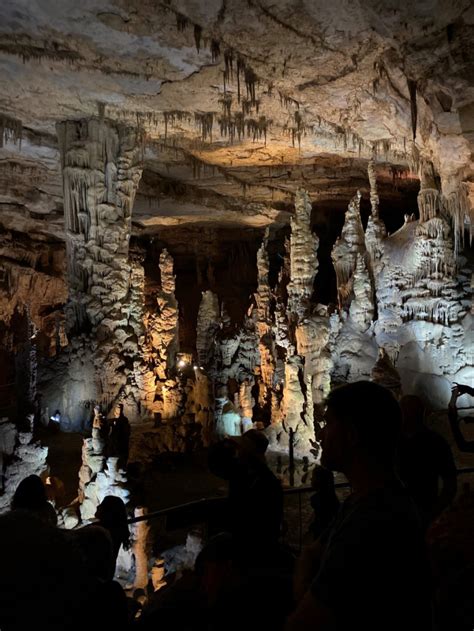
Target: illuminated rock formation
{"type": "Point", "coordinates": [375, 232]}
{"type": "Point", "coordinates": [345, 251]}
{"type": "Point", "coordinates": [207, 326]}
{"type": "Point", "coordinates": [100, 169]}
{"type": "Point", "coordinates": [303, 257]}
{"type": "Point", "coordinates": [263, 299]}
{"type": "Point", "coordinates": [98, 477]}
{"type": "Point", "coordinates": [361, 310]}
{"type": "Point", "coordinates": [21, 457]}
{"type": "Point", "coordinates": [295, 413]}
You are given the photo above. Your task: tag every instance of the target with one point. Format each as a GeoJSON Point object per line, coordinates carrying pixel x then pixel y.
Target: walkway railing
{"type": "Point", "coordinates": [198, 511]}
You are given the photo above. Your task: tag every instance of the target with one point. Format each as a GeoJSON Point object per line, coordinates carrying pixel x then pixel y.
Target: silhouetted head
{"type": "Point", "coordinates": [112, 514]}
{"type": "Point", "coordinates": [111, 511]}
{"type": "Point", "coordinates": [222, 458]}
{"type": "Point", "coordinates": [30, 494]}
{"type": "Point", "coordinates": [363, 421]}
{"type": "Point", "coordinates": [95, 546]}
{"type": "Point", "coordinates": [322, 480]}
{"type": "Point", "coordinates": [252, 444]}
{"type": "Point", "coordinates": [413, 412]}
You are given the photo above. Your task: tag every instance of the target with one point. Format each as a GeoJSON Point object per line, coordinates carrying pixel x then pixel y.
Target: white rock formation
{"type": "Point", "coordinates": [385, 373]}
{"type": "Point", "coordinates": [345, 251]}
{"type": "Point", "coordinates": [361, 310]}
{"type": "Point", "coordinates": [303, 257]}
{"type": "Point", "coordinates": [27, 458]}
{"type": "Point", "coordinates": [98, 477]}
{"type": "Point", "coordinates": [295, 412]}
{"type": "Point", "coordinates": [101, 171]}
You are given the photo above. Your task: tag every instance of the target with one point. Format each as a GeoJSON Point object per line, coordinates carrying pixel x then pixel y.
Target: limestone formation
{"type": "Point", "coordinates": [375, 232]}
{"type": "Point", "coordinates": [263, 299]}
{"type": "Point", "coordinates": [303, 257]}
{"type": "Point", "coordinates": [98, 477]}
{"type": "Point", "coordinates": [345, 251]}
{"type": "Point", "coordinates": [140, 535]}
{"type": "Point", "coordinates": [25, 456]}
{"type": "Point", "coordinates": [295, 409]}
{"type": "Point", "coordinates": [205, 133]}
{"type": "Point", "coordinates": [361, 309]}
{"type": "Point", "coordinates": [207, 326]}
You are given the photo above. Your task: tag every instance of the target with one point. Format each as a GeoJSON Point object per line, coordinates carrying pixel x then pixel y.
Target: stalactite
{"type": "Point", "coordinates": [412, 86]}
{"type": "Point", "coordinates": [429, 202]}
{"type": "Point", "coordinates": [460, 211]}
{"type": "Point", "coordinates": [11, 130]}
{"type": "Point", "coordinates": [197, 36]}
{"type": "Point", "coordinates": [205, 122]}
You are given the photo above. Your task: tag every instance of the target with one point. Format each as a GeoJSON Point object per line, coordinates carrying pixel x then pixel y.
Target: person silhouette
{"type": "Point", "coordinates": [371, 570]}
{"type": "Point", "coordinates": [457, 391]}
{"type": "Point", "coordinates": [119, 436]}
{"type": "Point", "coordinates": [31, 496]}
{"type": "Point", "coordinates": [425, 459]}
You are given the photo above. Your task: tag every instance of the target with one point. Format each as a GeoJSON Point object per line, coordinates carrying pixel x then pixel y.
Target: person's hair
{"type": "Point", "coordinates": [221, 457]}
{"type": "Point", "coordinates": [112, 514]}
{"type": "Point", "coordinates": [375, 415]}
{"type": "Point", "coordinates": [95, 546]}
{"type": "Point", "coordinates": [257, 440]}
{"type": "Point", "coordinates": [30, 494]}
{"type": "Point", "coordinates": [412, 407]}
{"type": "Point", "coordinates": [322, 479]}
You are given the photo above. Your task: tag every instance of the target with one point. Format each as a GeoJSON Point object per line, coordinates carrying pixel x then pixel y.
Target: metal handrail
{"type": "Point", "coordinates": [221, 498]}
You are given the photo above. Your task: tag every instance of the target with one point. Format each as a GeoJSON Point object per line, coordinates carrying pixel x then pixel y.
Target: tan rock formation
{"type": "Point", "coordinates": [303, 257]}
{"type": "Point", "coordinates": [345, 251]}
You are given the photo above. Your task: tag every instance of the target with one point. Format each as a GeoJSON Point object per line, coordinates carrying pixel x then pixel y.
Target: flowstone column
{"type": "Point", "coordinates": [345, 251]}
{"type": "Point", "coordinates": [161, 335]}
{"type": "Point", "coordinates": [297, 402]}
{"type": "Point", "coordinates": [375, 232]}
{"type": "Point", "coordinates": [101, 171]}
{"type": "Point", "coordinates": [303, 257]}
{"type": "Point", "coordinates": [263, 299]}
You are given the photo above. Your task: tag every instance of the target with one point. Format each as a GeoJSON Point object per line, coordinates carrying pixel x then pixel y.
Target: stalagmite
{"type": "Point", "coordinates": [303, 257]}
{"type": "Point", "coordinates": [101, 171]}
{"type": "Point", "coordinates": [98, 476]}
{"type": "Point", "coordinates": [161, 340]}
{"type": "Point", "coordinates": [263, 299]}
{"type": "Point", "coordinates": [361, 310]}
{"type": "Point", "coordinates": [375, 232]}
{"type": "Point", "coordinates": [294, 407]}
{"type": "Point", "coordinates": [207, 326]}
{"type": "Point", "coordinates": [141, 531]}
{"type": "Point", "coordinates": [345, 251]}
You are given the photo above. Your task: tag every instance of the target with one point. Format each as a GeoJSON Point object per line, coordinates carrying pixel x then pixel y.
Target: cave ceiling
{"type": "Point", "coordinates": [240, 102]}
